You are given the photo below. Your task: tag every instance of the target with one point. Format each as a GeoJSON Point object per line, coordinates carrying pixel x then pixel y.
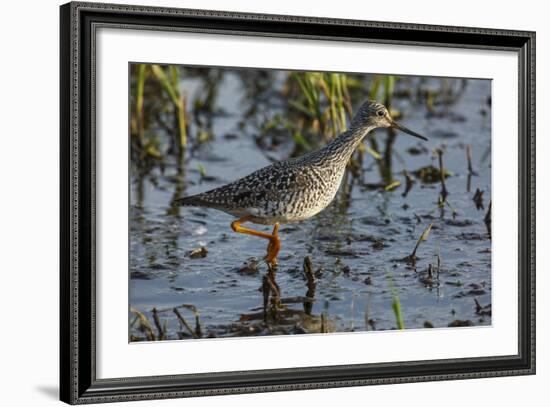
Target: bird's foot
{"type": "Point", "coordinates": [271, 261]}
{"type": "Point", "coordinates": [272, 251]}
{"type": "Point", "coordinates": [273, 247]}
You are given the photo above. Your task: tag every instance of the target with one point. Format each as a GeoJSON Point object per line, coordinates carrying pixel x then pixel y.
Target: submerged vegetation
{"type": "Point", "coordinates": [421, 210]}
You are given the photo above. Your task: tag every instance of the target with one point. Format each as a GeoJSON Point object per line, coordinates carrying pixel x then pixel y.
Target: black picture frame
{"type": "Point", "coordinates": [78, 382]}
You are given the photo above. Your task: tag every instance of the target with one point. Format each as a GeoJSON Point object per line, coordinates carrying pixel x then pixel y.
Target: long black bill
{"type": "Point", "coordinates": [405, 130]}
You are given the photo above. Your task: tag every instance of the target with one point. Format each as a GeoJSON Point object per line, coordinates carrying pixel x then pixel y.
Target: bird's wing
{"type": "Point", "coordinates": [254, 190]}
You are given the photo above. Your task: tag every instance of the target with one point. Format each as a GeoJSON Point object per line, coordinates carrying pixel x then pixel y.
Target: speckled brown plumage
{"type": "Point", "coordinates": [298, 188]}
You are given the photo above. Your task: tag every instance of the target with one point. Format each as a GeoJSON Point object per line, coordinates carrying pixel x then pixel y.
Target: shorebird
{"type": "Point", "coordinates": [295, 189]}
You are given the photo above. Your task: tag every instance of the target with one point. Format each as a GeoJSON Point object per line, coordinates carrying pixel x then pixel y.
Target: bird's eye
{"type": "Point", "coordinates": [380, 113]}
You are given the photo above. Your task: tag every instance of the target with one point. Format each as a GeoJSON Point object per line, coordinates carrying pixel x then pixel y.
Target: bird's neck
{"type": "Point", "coordinates": [343, 146]}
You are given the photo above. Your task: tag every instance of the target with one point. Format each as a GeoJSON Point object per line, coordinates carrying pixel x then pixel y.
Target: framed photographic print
{"type": "Point", "coordinates": [257, 203]}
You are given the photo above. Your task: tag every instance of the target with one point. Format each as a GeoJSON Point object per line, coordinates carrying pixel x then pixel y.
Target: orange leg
{"type": "Point", "coordinates": [274, 242]}
{"type": "Point", "coordinates": [274, 246]}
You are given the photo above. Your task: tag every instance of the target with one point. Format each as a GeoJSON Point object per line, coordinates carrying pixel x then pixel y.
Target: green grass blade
{"type": "Point", "coordinates": [395, 303]}
{"type": "Point", "coordinates": [141, 75]}
{"type": "Point", "coordinates": [396, 306]}
{"type": "Point", "coordinates": [423, 237]}
{"type": "Point", "coordinates": [389, 84]}
{"type": "Point", "coordinates": [166, 84]}
{"type": "Point", "coordinates": [171, 87]}
{"type": "Point", "coordinates": [300, 107]}
{"type": "Point", "coordinates": [301, 141]}
{"type": "Point", "coordinates": [375, 87]}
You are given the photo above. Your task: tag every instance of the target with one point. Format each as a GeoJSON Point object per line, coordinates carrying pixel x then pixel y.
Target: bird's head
{"type": "Point", "coordinates": [372, 115]}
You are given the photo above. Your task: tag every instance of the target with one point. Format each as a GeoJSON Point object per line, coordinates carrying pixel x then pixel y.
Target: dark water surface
{"type": "Point", "coordinates": [356, 250]}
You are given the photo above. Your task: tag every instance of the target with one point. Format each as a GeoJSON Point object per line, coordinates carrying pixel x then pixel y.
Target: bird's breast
{"type": "Point", "coordinates": [289, 194]}
{"type": "Point", "coordinates": [315, 192]}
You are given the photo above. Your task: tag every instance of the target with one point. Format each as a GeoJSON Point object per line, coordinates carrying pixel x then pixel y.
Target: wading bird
{"type": "Point", "coordinates": [295, 189]}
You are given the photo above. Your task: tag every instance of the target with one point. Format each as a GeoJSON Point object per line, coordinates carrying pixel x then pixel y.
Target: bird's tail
{"type": "Point", "coordinates": [192, 200]}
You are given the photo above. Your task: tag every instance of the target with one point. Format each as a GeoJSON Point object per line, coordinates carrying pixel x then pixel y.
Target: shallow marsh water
{"type": "Point", "coordinates": [356, 247]}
